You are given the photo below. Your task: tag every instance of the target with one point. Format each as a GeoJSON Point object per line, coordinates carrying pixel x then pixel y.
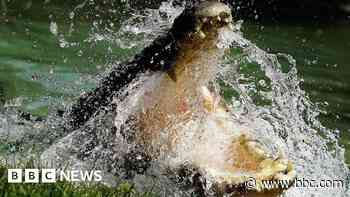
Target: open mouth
{"type": "Point", "coordinates": [254, 167]}
{"type": "Point", "coordinates": [248, 170]}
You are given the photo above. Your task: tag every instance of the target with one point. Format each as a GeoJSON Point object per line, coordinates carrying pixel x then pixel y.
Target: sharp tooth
{"type": "Point", "coordinates": [260, 153]}
{"type": "Point", "coordinates": [289, 176]}
{"type": "Point", "coordinates": [281, 176]}
{"type": "Point", "coordinates": [218, 18]}
{"type": "Point", "coordinates": [204, 19]}
{"type": "Point", "coordinates": [201, 34]}
{"type": "Point", "coordinates": [280, 167]}
{"type": "Point", "coordinates": [227, 20]}
{"type": "Point", "coordinates": [231, 26]}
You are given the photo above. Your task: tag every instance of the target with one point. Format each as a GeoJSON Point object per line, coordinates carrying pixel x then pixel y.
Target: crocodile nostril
{"type": "Point", "coordinates": [224, 15]}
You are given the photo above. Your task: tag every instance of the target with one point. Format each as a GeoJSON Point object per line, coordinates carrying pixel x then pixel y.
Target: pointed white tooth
{"type": "Point", "coordinates": [218, 18]}
{"type": "Point", "coordinates": [281, 176]}
{"type": "Point", "coordinates": [280, 167]}
{"type": "Point", "coordinates": [201, 34]}
{"type": "Point", "coordinates": [231, 26]}
{"type": "Point", "coordinates": [260, 153]}
{"type": "Point", "coordinates": [198, 28]}
{"type": "Point", "coordinates": [290, 176]}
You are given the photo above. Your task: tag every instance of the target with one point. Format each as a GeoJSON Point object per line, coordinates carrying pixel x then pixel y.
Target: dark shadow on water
{"type": "Point", "coordinates": [110, 10]}
{"type": "Point", "coordinates": [2, 95]}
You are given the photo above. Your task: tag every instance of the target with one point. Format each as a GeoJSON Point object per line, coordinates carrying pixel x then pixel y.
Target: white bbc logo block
{"type": "Point", "coordinates": [31, 175]}
{"type": "Point", "coordinates": [48, 175]}
{"type": "Point", "coordinates": [14, 175]}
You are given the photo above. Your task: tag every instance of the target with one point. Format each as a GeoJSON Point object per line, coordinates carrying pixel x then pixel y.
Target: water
{"type": "Point", "coordinates": [45, 64]}
{"type": "Point", "coordinates": [321, 54]}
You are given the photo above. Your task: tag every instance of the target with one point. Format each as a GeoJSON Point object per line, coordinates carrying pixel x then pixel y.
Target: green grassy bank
{"type": "Point", "coordinates": [65, 189]}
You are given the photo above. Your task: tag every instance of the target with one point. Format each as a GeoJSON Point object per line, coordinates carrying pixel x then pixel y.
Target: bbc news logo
{"type": "Point", "coordinates": [51, 175]}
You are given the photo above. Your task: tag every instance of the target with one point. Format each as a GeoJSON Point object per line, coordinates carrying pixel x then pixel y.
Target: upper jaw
{"type": "Point", "coordinates": [212, 16]}
{"type": "Point", "coordinates": [212, 9]}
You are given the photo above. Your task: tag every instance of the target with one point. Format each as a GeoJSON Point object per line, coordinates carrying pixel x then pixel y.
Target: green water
{"type": "Point", "coordinates": [35, 68]}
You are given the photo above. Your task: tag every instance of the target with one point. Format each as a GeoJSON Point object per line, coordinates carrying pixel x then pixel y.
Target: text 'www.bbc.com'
{"type": "Point", "coordinates": [298, 183]}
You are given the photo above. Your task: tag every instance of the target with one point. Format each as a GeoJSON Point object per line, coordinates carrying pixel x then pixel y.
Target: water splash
{"type": "Point", "coordinates": [142, 27]}
{"type": "Point", "coordinates": [290, 118]}
{"type": "Point", "coordinates": [287, 117]}
{"type": "Point", "coordinates": [268, 100]}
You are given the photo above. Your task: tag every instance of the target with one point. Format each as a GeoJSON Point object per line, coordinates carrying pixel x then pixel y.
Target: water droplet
{"type": "Point", "coordinates": [80, 53]}
{"type": "Point", "coordinates": [71, 15]}
{"type": "Point", "coordinates": [262, 83]}
{"type": "Point", "coordinates": [53, 28]}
